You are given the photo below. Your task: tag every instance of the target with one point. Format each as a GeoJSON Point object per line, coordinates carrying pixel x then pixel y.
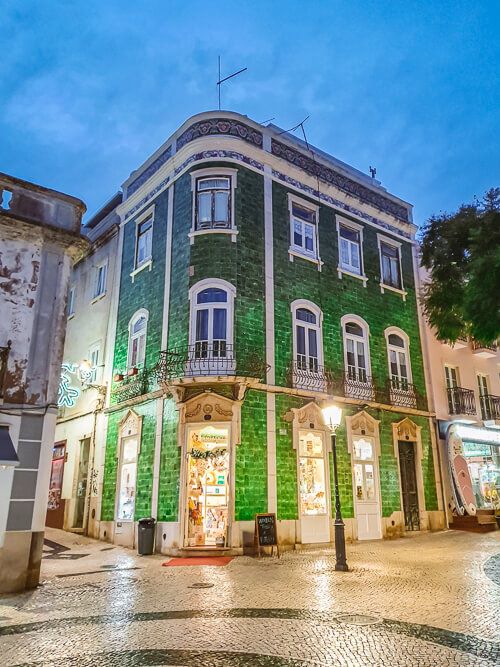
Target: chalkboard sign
{"type": "Point", "coordinates": [266, 534]}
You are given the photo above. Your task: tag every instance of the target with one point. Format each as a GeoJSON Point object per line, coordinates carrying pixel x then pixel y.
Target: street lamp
{"type": "Point", "coordinates": [332, 416]}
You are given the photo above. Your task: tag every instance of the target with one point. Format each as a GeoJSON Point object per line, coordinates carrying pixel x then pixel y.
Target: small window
{"type": "Point", "coordinates": [94, 362]}
{"type": "Point", "coordinates": [71, 301]}
{"type": "Point", "coordinates": [213, 203]}
{"type": "Point", "coordinates": [356, 353]}
{"type": "Point", "coordinates": [350, 250]}
{"type": "Point", "coordinates": [398, 362]}
{"type": "Point", "coordinates": [137, 340]}
{"type": "Point", "coordinates": [303, 224]}
{"type": "Point", "coordinates": [390, 265]}
{"type": "Point", "coordinates": [100, 280]}
{"type": "Point", "coordinates": [144, 242]}
{"type": "Point", "coordinates": [308, 369]}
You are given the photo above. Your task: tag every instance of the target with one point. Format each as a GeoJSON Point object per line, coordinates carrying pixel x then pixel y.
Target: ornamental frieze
{"type": "Point", "coordinates": [332, 177]}
{"type": "Point", "coordinates": [220, 126]}
{"type": "Point", "coordinates": [152, 169]}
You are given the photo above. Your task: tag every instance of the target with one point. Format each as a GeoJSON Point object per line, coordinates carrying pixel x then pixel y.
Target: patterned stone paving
{"type": "Point", "coordinates": [425, 600]}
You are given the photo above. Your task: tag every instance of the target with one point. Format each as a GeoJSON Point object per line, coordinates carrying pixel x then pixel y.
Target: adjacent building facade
{"type": "Point", "coordinates": [258, 279]}
{"type": "Point", "coordinates": [466, 389]}
{"type": "Point", "coordinates": [39, 240]}
{"type": "Point", "coordinates": [73, 502]}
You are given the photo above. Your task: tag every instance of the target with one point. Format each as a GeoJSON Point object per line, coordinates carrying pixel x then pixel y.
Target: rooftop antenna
{"type": "Point", "coordinates": [373, 171]}
{"type": "Point", "coordinates": [226, 78]}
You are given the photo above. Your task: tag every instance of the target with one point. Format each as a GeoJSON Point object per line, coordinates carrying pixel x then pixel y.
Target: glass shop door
{"type": "Point", "coordinates": [313, 489]}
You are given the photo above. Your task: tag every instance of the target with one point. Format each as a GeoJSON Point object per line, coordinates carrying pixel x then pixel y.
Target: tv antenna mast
{"type": "Point", "coordinates": [220, 81]}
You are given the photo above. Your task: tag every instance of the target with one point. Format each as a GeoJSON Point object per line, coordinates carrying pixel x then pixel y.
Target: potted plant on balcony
{"type": "Point", "coordinates": [132, 371]}
{"type": "Point", "coordinates": [117, 377]}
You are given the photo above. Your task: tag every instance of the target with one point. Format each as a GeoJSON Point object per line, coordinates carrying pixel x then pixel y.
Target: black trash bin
{"type": "Point", "coordinates": [146, 535]}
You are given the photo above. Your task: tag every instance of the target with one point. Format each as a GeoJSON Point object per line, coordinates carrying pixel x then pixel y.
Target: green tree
{"type": "Point", "coordinates": [462, 254]}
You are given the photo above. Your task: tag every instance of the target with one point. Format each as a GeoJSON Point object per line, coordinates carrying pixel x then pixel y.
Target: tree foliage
{"type": "Point", "coordinates": [462, 254]}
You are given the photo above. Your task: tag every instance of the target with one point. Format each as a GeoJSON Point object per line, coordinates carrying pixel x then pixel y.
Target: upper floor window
{"type": "Point", "coordinates": [356, 352]}
{"type": "Point", "coordinates": [137, 339]}
{"type": "Point", "coordinates": [211, 330]}
{"type": "Point", "coordinates": [308, 346]}
{"type": "Point", "coordinates": [100, 280]}
{"type": "Point", "coordinates": [70, 308]}
{"type": "Point", "coordinates": [144, 241]}
{"type": "Point", "coordinates": [213, 203]}
{"type": "Point", "coordinates": [350, 250]}
{"type": "Point", "coordinates": [399, 359]}
{"type": "Point", "coordinates": [303, 229]}
{"type": "Point", "coordinates": [390, 263]}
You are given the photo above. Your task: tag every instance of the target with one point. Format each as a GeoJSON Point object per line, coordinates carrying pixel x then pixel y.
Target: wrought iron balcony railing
{"type": "Point", "coordinates": [403, 393]}
{"type": "Point", "coordinates": [461, 401]}
{"type": "Point", "coordinates": [490, 406]}
{"type": "Point", "coordinates": [133, 386]}
{"type": "Point", "coordinates": [355, 383]}
{"type": "Point", "coordinates": [307, 374]}
{"type": "Point", "coordinates": [204, 359]}
{"type": "Point", "coordinates": [4, 355]}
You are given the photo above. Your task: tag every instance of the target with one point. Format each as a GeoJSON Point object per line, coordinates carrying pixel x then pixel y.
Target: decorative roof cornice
{"type": "Point", "coordinates": [224, 126]}
{"type": "Point", "coordinates": [149, 171]}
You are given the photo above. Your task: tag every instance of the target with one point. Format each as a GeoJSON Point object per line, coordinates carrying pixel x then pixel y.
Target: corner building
{"type": "Point", "coordinates": [259, 279]}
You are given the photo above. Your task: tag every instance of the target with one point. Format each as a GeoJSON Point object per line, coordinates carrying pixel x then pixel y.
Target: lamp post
{"type": "Point", "coordinates": [332, 416]}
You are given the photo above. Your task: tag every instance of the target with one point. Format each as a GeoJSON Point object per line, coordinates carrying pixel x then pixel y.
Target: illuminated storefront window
{"type": "Point", "coordinates": [483, 461]}
{"type": "Point", "coordinates": [312, 474]}
{"type": "Point", "coordinates": [127, 479]}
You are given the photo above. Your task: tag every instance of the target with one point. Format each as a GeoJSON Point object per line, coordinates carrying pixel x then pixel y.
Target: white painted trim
{"type": "Point", "coordinates": [406, 339]}
{"type": "Point", "coordinates": [342, 272]}
{"type": "Point", "coordinates": [194, 307]}
{"type": "Point", "coordinates": [148, 264]}
{"type": "Point", "coordinates": [318, 327]}
{"type": "Point", "coordinates": [418, 467]}
{"type": "Point", "coordinates": [168, 269]}
{"type": "Point", "coordinates": [142, 312]}
{"type": "Point", "coordinates": [366, 336]}
{"type": "Point", "coordinates": [297, 251]}
{"type": "Point", "coordinates": [340, 221]}
{"type": "Point", "coordinates": [138, 220]}
{"type": "Point", "coordinates": [233, 232]}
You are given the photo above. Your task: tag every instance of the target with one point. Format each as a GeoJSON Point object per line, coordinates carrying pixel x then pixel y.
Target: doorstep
{"type": "Point", "coordinates": [203, 552]}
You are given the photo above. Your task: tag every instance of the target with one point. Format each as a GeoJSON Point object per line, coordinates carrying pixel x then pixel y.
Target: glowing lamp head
{"type": "Point", "coordinates": [332, 416]}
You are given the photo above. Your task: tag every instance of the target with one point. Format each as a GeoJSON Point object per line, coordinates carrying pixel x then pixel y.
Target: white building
{"type": "Point", "coordinates": [39, 241]}
{"type": "Point", "coordinates": [81, 425]}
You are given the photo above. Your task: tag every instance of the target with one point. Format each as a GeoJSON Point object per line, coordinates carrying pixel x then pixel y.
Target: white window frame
{"type": "Point", "coordinates": [194, 307]}
{"type": "Point", "coordinates": [214, 172]}
{"type": "Point", "coordinates": [406, 349]}
{"type": "Point", "coordinates": [355, 227]}
{"type": "Point", "coordinates": [104, 267]}
{"type": "Point", "coordinates": [318, 327]}
{"type": "Point", "coordinates": [366, 338]}
{"type": "Point", "coordinates": [398, 245]}
{"type": "Point", "coordinates": [95, 348]}
{"type": "Point", "coordinates": [71, 301]}
{"type": "Point", "coordinates": [142, 312]}
{"type": "Point", "coordinates": [147, 263]}
{"type": "Point", "coordinates": [298, 251]}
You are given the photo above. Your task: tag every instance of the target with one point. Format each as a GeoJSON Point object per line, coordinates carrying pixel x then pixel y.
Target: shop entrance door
{"type": "Point", "coordinates": [81, 483]}
{"type": "Point", "coordinates": [208, 476]}
{"type": "Point", "coordinates": [366, 489]}
{"type": "Point", "coordinates": [313, 488]}
{"type": "Point", "coordinates": [55, 504]}
{"type": "Point", "coordinates": [409, 489]}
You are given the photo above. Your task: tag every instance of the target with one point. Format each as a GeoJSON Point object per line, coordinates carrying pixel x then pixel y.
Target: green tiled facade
{"type": "Point", "coordinates": [240, 260]}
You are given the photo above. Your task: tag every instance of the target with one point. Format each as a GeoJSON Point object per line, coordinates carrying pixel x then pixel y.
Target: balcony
{"type": "Point", "coordinates": [490, 407]}
{"type": "Point", "coordinates": [4, 355]}
{"type": "Point", "coordinates": [208, 360]}
{"type": "Point", "coordinates": [133, 386]}
{"type": "Point", "coordinates": [461, 401]}
{"type": "Point", "coordinates": [356, 384]}
{"type": "Point", "coordinates": [482, 350]}
{"type": "Point", "coordinates": [305, 374]}
{"type": "Point", "coordinates": [404, 394]}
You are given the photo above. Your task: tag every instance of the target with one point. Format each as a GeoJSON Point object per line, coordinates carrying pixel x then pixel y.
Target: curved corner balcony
{"type": "Point", "coordinates": [212, 360]}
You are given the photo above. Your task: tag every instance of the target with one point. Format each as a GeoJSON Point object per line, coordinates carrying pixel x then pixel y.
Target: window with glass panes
{"type": "Point", "coordinates": [211, 324]}
{"type": "Point", "coordinates": [144, 241]}
{"type": "Point", "coordinates": [350, 249]}
{"type": "Point", "coordinates": [389, 257]}
{"type": "Point", "coordinates": [137, 341]}
{"type": "Point", "coordinates": [304, 229]}
{"type": "Point", "coordinates": [213, 203]}
{"type": "Point", "coordinates": [100, 280]}
{"type": "Point", "coordinates": [306, 340]}
{"type": "Point", "coordinates": [398, 361]}
{"type": "Point", "coordinates": [356, 352]}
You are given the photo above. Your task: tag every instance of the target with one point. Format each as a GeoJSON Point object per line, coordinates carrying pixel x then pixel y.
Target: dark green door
{"type": "Point", "coordinates": [409, 489]}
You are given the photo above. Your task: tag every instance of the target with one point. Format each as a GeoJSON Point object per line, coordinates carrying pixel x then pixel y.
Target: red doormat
{"type": "Point", "coordinates": [198, 560]}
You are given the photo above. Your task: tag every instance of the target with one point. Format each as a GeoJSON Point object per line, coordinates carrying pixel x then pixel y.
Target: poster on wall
{"type": "Point", "coordinates": [461, 483]}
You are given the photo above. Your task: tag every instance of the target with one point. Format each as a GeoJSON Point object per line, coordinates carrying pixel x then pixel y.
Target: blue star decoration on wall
{"type": "Point", "coordinates": [67, 394]}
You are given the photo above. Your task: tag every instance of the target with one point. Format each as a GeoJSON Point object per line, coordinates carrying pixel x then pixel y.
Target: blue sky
{"type": "Point", "coordinates": [90, 89]}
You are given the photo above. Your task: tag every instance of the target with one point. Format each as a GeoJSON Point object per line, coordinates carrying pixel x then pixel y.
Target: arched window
{"type": "Point", "coordinates": [211, 329]}
{"type": "Point", "coordinates": [137, 328]}
{"type": "Point", "coordinates": [399, 358]}
{"type": "Point", "coordinates": [356, 349]}
{"type": "Point", "coordinates": [307, 345]}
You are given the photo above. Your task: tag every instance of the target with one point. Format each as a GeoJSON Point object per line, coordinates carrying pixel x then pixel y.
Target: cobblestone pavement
{"type": "Point", "coordinates": [432, 599]}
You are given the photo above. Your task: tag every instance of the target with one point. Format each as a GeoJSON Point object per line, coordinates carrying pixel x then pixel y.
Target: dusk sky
{"type": "Point", "coordinates": [90, 89]}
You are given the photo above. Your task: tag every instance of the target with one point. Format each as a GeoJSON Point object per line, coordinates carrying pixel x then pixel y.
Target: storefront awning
{"type": "Point", "coordinates": [8, 456]}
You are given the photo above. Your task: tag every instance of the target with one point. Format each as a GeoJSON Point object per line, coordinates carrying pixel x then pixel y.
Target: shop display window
{"type": "Point", "coordinates": [484, 467]}
{"type": "Point", "coordinates": [312, 482]}
{"type": "Point", "coordinates": [208, 487]}
{"type": "Point", "coordinates": [128, 475]}
{"type": "Point", "coordinates": [364, 472]}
